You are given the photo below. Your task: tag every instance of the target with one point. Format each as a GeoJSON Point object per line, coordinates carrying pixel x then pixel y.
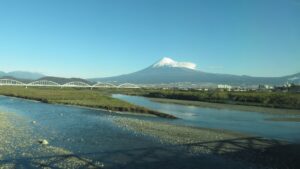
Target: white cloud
{"type": "Point", "coordinates": [171, 63]}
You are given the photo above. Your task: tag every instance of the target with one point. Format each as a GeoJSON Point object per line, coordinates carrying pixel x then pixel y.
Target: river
{"type": "Point", "coordinates": [250, 122]}
{"type": "Point", "coordinates": [91, 134]}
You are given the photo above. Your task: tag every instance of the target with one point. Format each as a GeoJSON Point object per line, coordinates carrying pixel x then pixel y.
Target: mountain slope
{"type": "Point", "coordinates": [2, 74]}
{"type": "Point", "coordinates": [169, 71]}
{"type": "Point", "coordinates": [22, 75]}
{"type": "Point", "coordinates": [61, 80]}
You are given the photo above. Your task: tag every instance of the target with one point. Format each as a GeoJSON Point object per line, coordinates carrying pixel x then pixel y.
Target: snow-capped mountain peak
{"type": "Point", "coordinates": [168, 62]}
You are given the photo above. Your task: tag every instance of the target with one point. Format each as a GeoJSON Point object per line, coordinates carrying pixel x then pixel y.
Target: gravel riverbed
{"type": "Point", "coordinates": [174, 147]}
{"type": "Point", "coordinates": [20, 148]}
{"type": "Point", "coordinates": [264, 153]}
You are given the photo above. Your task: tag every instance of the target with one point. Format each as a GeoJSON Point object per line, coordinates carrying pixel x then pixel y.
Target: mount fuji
{"type": "Point", "coordinates": [169, 71]}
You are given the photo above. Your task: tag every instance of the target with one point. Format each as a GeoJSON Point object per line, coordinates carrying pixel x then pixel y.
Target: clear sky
{"type": "Point", "coordinates": [97, 38]}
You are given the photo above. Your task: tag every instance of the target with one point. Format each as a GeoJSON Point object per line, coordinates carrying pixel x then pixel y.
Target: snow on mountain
{"type": "Point", "coordinates": [168, 62]}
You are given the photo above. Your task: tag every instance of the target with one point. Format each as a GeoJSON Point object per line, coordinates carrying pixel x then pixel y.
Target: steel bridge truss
{"type": "Point", "coordinates": [47, 83]}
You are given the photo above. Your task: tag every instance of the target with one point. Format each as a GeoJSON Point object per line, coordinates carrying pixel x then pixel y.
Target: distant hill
{"type": "Point", "coordinates": [2, 74]}
{"type": "Point", "coordinates": [61, 80]}
{"type": "Point", "coordinates": [22, 75]}
{"type": "Point", "coordinates": [13, 78]}
{"type": "Point", "coordinates": [170, 71]}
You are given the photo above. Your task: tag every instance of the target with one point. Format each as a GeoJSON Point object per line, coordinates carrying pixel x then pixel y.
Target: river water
{"type": "Point", "coordinates": [254, 123]}
{"type": "Point", "coordinates": [93, 134]}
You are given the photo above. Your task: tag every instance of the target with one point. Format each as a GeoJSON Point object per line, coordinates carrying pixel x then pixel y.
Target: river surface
{"type": "Point", "coordinates": [93, 134]}
{"type": "Point", "coordinates": [254, 123]}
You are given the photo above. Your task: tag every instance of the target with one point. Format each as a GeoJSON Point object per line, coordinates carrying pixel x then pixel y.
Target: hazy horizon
{"type": "Point", "coordinates": [130, 72]}
{"type": "Point", "coordinates": [90, 39]}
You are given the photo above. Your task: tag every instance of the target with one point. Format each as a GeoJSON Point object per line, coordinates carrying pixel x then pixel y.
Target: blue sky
{"type": "Point", "coordinates": [97, 38]}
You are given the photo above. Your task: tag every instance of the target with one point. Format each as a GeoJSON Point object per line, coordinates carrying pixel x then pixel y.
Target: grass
{"type": "Point", "coordinates": [251, 98]}
{"type": "Point", "coordinates": [79, 97]}
{"type": "Point", "coordinates": [228, 106]}
{"type": "Point", "coordinates": [264, 99]}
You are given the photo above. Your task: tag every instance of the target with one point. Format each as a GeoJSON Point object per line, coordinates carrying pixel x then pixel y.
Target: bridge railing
{"type": "Point", "coordinates": [104, 85]}
{"type": "Point", "coordinates": [76, 84]}
{"type": "Point", "coordinates": [45, 83]}
{"type": "Point", "coordinates": [10, 82]}
{"type": "Point", "coordinates": [128, 85]}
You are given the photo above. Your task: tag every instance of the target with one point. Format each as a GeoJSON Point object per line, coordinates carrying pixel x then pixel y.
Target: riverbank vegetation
{"type": "Point", "coordinates": [76, 96]}
{"type": "Point", "coordinates": [266, 99]}
{"type": "Point", "coordinates": [238, 107]}
{"type": "Point", "coordinates": [101, 97]}
{"type": "Point", "coordinates": [251, 98]}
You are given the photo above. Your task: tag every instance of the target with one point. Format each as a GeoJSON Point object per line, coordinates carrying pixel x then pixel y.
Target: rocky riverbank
{"type": "Point", "coordinates": [20, 148]}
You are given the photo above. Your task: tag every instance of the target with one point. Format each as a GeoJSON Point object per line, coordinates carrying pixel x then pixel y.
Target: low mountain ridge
{"type": "Point", "coordinates": [22, 75]}
{"type": "Point", "coordinates": [61, 80]}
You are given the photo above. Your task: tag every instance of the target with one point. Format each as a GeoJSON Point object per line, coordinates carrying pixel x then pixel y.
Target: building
{"type": "Point", "coordinates": [265, 87]}
{"type": "Point", "coordinates": [224, 87]}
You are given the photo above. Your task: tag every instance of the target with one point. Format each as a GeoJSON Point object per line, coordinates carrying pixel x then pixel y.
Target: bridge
{"type": "Point", "coordinates": [74, 84]}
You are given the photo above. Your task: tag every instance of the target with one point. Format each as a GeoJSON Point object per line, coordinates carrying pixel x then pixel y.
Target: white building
{"type": "Point", "coordinates": [265, 87]}
{"type": "Point", "coordinates": [224, 86]}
